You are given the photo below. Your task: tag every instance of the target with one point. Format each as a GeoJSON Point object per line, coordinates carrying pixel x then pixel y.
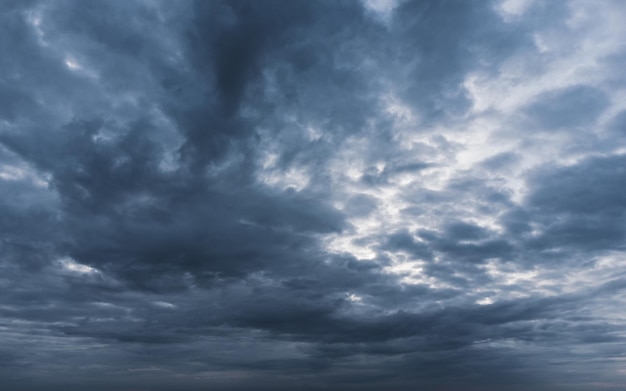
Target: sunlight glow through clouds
{"type": "Point", "coordinates": [20, 173]}
{"type": "Point", "coordinates": [382, 8]}
{"type": "Point", "coordinates": [72, 64]}
{"type": "Point", "coordinates": [71, 265]}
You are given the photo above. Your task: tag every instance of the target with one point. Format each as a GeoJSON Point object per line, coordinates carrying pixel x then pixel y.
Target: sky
{"type": "Point", "coordinates": [319, 195]}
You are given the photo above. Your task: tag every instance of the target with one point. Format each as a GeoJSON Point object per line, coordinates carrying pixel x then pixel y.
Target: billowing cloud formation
{"type": "Point", "coordinates": [323, 195]}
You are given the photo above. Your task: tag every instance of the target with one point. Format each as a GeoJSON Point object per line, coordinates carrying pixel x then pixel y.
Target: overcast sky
{"type": "Point", "coordinates": [313, 195]}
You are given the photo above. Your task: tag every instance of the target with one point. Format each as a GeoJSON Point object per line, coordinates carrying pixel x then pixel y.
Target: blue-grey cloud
{"type": "Point", "coordinates": [323, 195]}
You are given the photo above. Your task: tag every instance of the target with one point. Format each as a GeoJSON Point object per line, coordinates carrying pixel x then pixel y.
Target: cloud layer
{"type": "Point", "coordinates": [323, 195]}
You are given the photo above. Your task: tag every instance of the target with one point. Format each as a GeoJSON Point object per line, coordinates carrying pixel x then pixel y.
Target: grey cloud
{"type": "Point", "coordinates": [501, 161]}
{"type": "Point", "coordinates": [465, 231]}
{"type": "Point", "coordinates": [246, 195]}
{"type": "Point", "coordinates": [460, 36]}
{"type": "Point", "coordinates": [581, 205]}
{"type": "Point", "coordinates": [360, 205]}
{"type": "Point", "coordinates": [404, 241]}
{"type": "Point", "coordinates": [568, 108]}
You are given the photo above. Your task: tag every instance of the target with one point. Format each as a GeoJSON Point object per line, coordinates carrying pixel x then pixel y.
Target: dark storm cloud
{"type": "Point", "coordinates": [98, 179]}
{"type": "Point", "coordinates": [188, 190]}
